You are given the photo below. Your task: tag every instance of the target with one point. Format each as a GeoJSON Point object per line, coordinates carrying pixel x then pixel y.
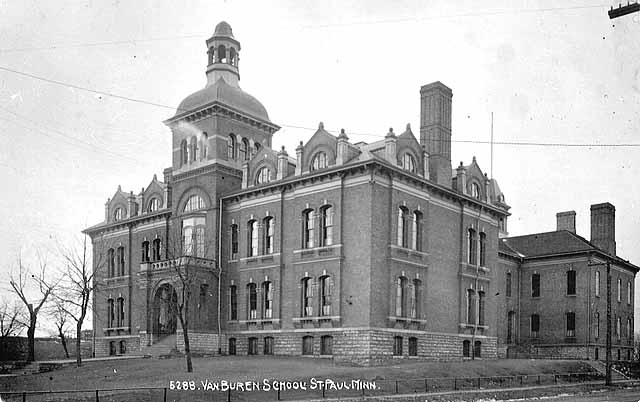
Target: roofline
{"type": "Point", "coordinates": [186, 113]}
{"type": "Point", "coordinates": [102, 226]}
{"type": "Point", "coordinates": [374, 160]}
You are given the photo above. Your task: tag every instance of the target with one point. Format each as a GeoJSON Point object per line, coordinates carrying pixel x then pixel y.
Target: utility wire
{"type": "Point", "coordinates": [145, 102]}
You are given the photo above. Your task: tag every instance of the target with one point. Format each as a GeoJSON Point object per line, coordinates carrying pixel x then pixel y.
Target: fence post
{"type": "Point", "coordinates": [455, 384]}
{"type": "Point", "coordinates": [278, 393]}
{"type": "Point", "coordinates": [97, 397]}
{"type": "Point", "coordinates": [426, 385]}
{"type": "Point", "coordinates": [538, 381]}
{"type": "Point", "coordinates": [396, 386]}
{"type": "Point", "coordinates": [478, 382]}
{"type": "Point", "coordinates": [229, 395]}
{"type": "Point", "coordinates": [323, 392]}
{"type": "Point", "coordinates": [555, 379]}
{"type": "Point", "coordinates": [521, 377]}
{"type": "Point", "coordinates": [165, 394]}
{"type": "Point", "coordinates": [24, 397]}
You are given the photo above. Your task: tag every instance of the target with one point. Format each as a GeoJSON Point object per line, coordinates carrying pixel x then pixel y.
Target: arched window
{"type": "Point", "coordinates": [120, 261]}
{"type": "Point", "coordinates": [111, 313]}
{"type": "Point", "coordinates": [194, 203]}
{"type": "Point", "coordinates": [628, 292]}
{"type": "Point", "coordinates": [111, 263]}
{"type": "Point", "coordinates": [471, 306]}
{"type": "Point", "coordinates": [120, 313]}
{"type": "Point", "coordinates": [157, 250]}
{"type": "Point", "coordinates": [257, 146]}
{"type": "Point", "coordinates": [401, 296]}
{"type": "Point", "coordinates": [232, 147]}
{"type": "Point", "coordinates": [483, 249]}
{"type": "Point", "coordinates": [267, 292]}
{"type": "Point", "coordinates": [619, 290]}
{"type": "Point", "coordinates": [477, 349]}
{"type": "Point", "coordinates": [203, 311]}
{"type": "Point", "coordinates": [307, 297]}
{"type": "Point", "coordinates": [263, 176]}
{"type": "Point", "coordinates": [408, 163]}
{"type": "Point", "coordinates": [268, 345]}
{"type": "Point", "coordinates": [511, 329]}
{"type": "Point", "coordinates": [308, 225]}
{"type": "Point", "coordinates": [123, 347]}
{"type": "Point", "coordinates": [252, 301]}
{"type": "Point", "coordinates": [326, 226]}
{"type": "Point", "coordinates": [466, 348]}
{"type": "Point", "coordinates": [416, 231]}
{"type": "Point", "coordinates": [118, 214]}
{"type": "Point", "coordinates": [233, 303]}
{"type": "Point", "coordinates": [508, 284]}
{"type": "Point", "coordinates": [269, 230]}
{"type": "Point", "coordinates": [475, 190]}
{"type": "Point", "coordinates": [244, 150]}
{"type": "Point", "coordinates": [471, 246]}
{"type": "Point", "coordinates": [112, 348]}
{"type": "Point", "coordinates": [414, 308]}
{"type": "Point", "coordinates": [319, 161]}
{"type": "Point", "coordinates": [222, 54]}
{"type": "Point", "coordinates": [145, 251]}
{"type": "Point", "coordinates": [252, 238]}
{"type": "Point", "coordinates": [184, 153]}
{"type": "Point", "coordinates": [193, 149]}
{"type": "Point", "coordinates": [233, 56]}
{"type": "Point", "coordinates": [325, 295]}
{"type": "Point", "coordinates": [629, 328]}
{"type": "Point", "coordinates": [154, 204]}
{"type": "Point", "coordinates": [397, 346]}
{"type": "Point", "coordinates": [252, 346]}
{"type": "Point", "coordinates": [403, 229]}
{"type": "Point", "coordinates": [205, 145]}
{"type": "Point", "coordinates": [193, 236]}
{"type": "Point", "coordinates": [481, 307]}
{"type": "Point", "coordinates": [232, 346]}
{"type": "Point", "coordinates": [596, 326]}
{"type": "Point", "coordinates": [234, 241]}
{"type": "Point", "coordinates": [307, 345]}
{"type": "Point", "coordinates": [326, 345]}
{"type": "Point", "coordinates": [413, 346]}
{"type": "Point", "coordinates": [618, 327]}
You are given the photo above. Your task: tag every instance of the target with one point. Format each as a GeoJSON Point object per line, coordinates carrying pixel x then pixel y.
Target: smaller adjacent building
{"type": "Point", "coordinates": [554, 301]}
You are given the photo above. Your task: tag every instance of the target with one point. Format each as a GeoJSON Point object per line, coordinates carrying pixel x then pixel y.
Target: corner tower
{"type": "Point", "coordinates": [224, 55]}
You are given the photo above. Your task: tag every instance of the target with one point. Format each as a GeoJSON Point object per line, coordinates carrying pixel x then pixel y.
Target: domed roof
{"type": "Point", "coordinates": [226, 94]}
{"type": "Point", "coordinates": [223, 29]}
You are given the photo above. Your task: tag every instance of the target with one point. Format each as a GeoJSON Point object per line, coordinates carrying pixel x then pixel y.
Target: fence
{"type": "Point", "coordinates": [307, 389]}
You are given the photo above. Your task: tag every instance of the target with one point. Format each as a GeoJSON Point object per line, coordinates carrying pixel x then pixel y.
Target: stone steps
{"type": "Point", "coordinates": [164, 347]}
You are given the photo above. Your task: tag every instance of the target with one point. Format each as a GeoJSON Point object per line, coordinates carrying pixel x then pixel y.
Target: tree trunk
{"type": "Point", "coordinates": [187, 349]}
{"type": "Point", "coordinates": [64, 342]}
{"type": "Point", "coordinates": [78, 339]}
{"type": "Point", "coordinates": [31, 332]}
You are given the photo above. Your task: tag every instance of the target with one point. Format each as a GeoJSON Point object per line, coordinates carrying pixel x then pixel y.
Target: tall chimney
{"type": "Point", "coordinates": [603, 227]}
{"type": "Point", "coordinates": [435, 130]}
{"type": "Point", "coordinates": [566, 221]}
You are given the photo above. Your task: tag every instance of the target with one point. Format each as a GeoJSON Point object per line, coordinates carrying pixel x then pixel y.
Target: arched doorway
{"type": "Point", "coordinates": [165, 308]}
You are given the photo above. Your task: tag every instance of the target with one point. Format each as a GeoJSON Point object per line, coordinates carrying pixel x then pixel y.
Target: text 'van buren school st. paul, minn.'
{"type": "Point", "coordinates": [363, 252]}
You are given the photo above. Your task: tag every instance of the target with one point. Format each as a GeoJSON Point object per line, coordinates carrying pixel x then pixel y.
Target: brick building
{"type": "Point", "coordinates": [555, 291]}
{"type": "Point", "coordinates": [363, 252]}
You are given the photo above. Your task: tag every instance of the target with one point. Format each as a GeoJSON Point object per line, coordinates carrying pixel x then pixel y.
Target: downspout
{"type": "Point", "coordinates": [461, 295]}
{"type": "Point", "coordinates": [219, 275]}
{"type": "Point", "coordinates": [589, 318]}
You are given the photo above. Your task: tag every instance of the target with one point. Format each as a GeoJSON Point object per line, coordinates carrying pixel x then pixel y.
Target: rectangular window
{"type": "Point", "coordinates": [481, 308]}
{"type": "Point", "coordinates": [307, 345]}
{"type": "Point", "coordinates": [401, 297]}
{"type": "Point", "coordinates": [327, 226]}
{"type": "Point", "coordinates": [619, 289]}
{"type": "Point", "coordinates": [253, 301]}
{"type": "Point", "coordinates": [596, 326]}
{"type": "Point", "coordinates": [483, 249]}
{"type": "Point", "coordinates": [267, 289]}
{"type": "Point", "coordinates": [252, 346]}
{"type": "Point", "coordinates": [508, 285]}
{"type": "Point", "coordinates": [145, 251]}
{"type": "Point", "coordinates": [628, 292]}
{"type": "Point", "coordinates": [308, 228]}
{"type": "Point", "coordinates": [535, 325]}
{"type": "Point", "coordinates": [597, 280]}
{"type": "Point", "coordinates": [397, 346]}
{"type": "Point", "coordinates": [326, 345]}
{"type": "Point", "coordinates": [268, 345]}
{"type": "Point", "coordinates": [234, 242]}
{"type": "Point", "coordinates": [325, 295]}
{"type": "Point", "coordinates": [571, 282]}
{"type": "Point", "coordinates": [471, 306]}
{"type": "Point", "coordinates": [269, 224]}
{"type": "Point", "coordinates": [120, 261]}
{"type": "Point", "coordinates": [472, 247]}
{"type": "Point", "coordinates": [413, 346]}
{"type": "Point", "coordinates": [233, 302]}
{"type": "Point", "coordinates": [571, 325]}
{"type": "Point", "coordinates": [535, 285]}
{"type": "Point", "coordinates": [511, 326]}
{"type": "Point", "coordinates": [252, 239]}
{"type": "Point", "coordinates": [307, 297]}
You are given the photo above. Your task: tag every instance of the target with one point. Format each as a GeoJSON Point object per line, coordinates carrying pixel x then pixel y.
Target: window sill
{"type": "Point", "coordinates": [117, 278]}
{"type": "Point", "coordinates": [573, 295]}
{"type": "Point", "coordinates": [257, 321]}
{"type": "Point", "coordinates": [407, 319]}
{"type": "Point", "coordinates": [316, 249]}
{"type": "Point", "coordinates": [466, 325]}
{"type": "Point", "coordinates": [317, 318]}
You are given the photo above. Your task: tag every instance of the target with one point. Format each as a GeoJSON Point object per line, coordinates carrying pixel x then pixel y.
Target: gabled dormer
{"type": "Point", "coordinates": [120, 207]}
{"type": "Point", "coordinates": [154, 197]}
{"type": "Point", "coordinates": [318, 153]}
{"type": "Point", "coordinates": [410, 155]}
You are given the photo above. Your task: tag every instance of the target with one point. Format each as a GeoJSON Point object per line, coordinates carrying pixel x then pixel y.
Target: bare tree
{"type": "Point", "coordinates": [60, 317]}
{"type": "Point", "coordinates": [22, 286]}
{"type": "Point", "coordinates": [11, 323]}
{"type": "Point", "coordinates": [77, 286]}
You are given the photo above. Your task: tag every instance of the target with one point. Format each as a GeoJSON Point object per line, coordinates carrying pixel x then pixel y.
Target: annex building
{"type": "Point", "coordinates": [360, 252]}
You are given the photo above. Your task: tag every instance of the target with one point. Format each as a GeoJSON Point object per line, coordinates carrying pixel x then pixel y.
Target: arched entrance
{"type": "Point", "coordinates": [165, 308]}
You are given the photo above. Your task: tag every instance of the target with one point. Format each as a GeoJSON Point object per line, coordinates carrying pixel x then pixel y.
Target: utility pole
{"type": "Point", "coordinates": [620, 11]}
{"type": "Point", "coordinates": [607, 378]}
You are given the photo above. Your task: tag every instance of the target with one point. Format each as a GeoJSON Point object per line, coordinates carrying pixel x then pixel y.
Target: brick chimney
{"type": "Point", "coordinates": [435, 130]}
{"type": "Point", "coordinates": [603, 227]}
{"type": "Point", "coordinates": [566, 221]}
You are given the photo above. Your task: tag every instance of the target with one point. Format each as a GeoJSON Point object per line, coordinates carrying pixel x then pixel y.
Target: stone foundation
{"type": "Point", "coordinates": [201, 342]}
{"type": "Point", "coordinates": [103, 345]}
{"type": "Point", "coordinates": [581, 352]}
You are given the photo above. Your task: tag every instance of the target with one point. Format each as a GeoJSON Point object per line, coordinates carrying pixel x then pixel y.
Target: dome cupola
{"type": "Point", "coordinates": [223, 51]}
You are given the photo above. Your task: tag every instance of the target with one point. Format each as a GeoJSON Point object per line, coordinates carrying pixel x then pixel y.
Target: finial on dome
{"type": "Point", "coordinates": [474, 158]}
{"type": "Point", "coordinates": [119, 188]}
{"type": "Point", "coordinates": [321, 126]}
{"type": "Point", "coordinates": [223, 29]}
{"type": "Point", "coordinates": [408, 126]}
{"type": "Point", "coordinates": [283, 147]}
{"type": "Point", "coordinates": [155, 177]}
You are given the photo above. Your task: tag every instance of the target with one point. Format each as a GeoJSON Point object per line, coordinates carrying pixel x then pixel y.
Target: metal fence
{"type": "Point", "coordinates": [337, 389]}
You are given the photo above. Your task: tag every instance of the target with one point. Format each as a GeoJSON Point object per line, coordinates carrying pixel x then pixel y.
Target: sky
{"type": "Point", "coordinates": [550, 72]}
